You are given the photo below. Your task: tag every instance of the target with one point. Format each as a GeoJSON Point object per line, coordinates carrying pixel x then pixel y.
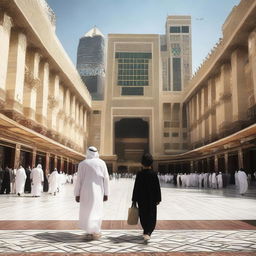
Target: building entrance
{"type": "Point", "coordinates": [131, 141]}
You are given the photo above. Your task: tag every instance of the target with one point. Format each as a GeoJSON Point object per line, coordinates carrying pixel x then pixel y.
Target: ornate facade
{"type": "Point", "coordinates": [44, 105]}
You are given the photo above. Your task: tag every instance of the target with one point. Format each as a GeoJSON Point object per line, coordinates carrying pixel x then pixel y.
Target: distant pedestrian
{"type": "Point", "coordinates": [37, 178]}
{"type": "Point", "coordinates": [147, 194]}
{"type": "Point", "coordinates": [20, 180]}
{"type": "Point", "coordinates": [242, 181]}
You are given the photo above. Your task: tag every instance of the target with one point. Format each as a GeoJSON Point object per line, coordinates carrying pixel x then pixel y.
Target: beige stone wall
{"type": "Point", "coordinates": [221, 95]}
{"type": "Point", "coordinates": [39, 86]}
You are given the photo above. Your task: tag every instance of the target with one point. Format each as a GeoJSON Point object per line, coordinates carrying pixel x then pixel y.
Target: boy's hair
{"type": "Point", "coordinates": [147, 159]}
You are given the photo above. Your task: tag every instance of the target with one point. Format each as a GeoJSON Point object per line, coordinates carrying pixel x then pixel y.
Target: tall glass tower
{"type": "Point", "coordinates": [91, 62]}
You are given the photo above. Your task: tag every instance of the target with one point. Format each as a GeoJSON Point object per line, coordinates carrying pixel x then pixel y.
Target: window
{"type": "Point", "coordinates": [132, 91]}
{"type": "Point", "coordinates": [96, 112]}
{"type": "Point", "coordinates": [174, 29]}
{"type": "Point", "coordinates": [176, 70]}
{"type": "Point", "coordinates": [167, 124]}
{"type": "Point", "coordinates": [175, 134]}
{"type": "Point", "coordinates": [166, 134]}
{"type": "Point", "coordinates": [167, 145]}
{"type": "Point", "coordinates": [185, 135]}
{"type": "Point", "coordinates": [133, 68]}
{"type": "Point", "coordinates": [185, 29]}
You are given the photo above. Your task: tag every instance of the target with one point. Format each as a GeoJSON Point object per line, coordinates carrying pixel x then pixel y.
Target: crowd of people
{"type": "Point", "coordinates": [213, 180]}
{"type": "Point", "coordinates": [32, 181]}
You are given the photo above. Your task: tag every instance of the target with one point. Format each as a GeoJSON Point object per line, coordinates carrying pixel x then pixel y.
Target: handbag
{"type": "Point", "coordinates": [133, 215]}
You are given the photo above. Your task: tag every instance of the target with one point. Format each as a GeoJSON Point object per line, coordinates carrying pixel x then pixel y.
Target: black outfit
{"type": "Point", "coordinates": [46, 184]}
{"type": "Point", "coordinates": [6, 183]}
{"type": "Point", "coordinates": [28, 182]}
{"type": "Point", "coordinates": [147, 194]}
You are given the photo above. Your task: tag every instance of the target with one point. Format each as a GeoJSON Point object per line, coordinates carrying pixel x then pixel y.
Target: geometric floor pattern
{"type": "Point", "coordinates": [127, 241]}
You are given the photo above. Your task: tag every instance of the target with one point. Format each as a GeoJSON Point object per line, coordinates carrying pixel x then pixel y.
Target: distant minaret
{"type": "Point", "coordinates": [91, 62]}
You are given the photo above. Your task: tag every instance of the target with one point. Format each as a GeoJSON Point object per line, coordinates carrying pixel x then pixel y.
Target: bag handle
{"type": "Point", "coordinates": [134, 204]}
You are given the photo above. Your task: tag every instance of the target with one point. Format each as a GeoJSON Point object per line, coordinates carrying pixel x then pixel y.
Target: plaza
{"type": "Point", "coordinates": [189, 220]}
{"type": "Point", "coordinates": [130, 93]}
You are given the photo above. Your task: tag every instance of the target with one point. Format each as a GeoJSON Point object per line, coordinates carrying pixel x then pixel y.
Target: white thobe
{"type": "Point", "coordinates": [37, 177]}
{"type": "Point", "coordinates": [214, 180]}
{"type": "Point", "coordinates": [243, 182]}
{"type": "Point", "coordinates": [91, 186]}
{"type": "Point", "coordinates": [20, 180]}
{"type": "Point", "coordinates": [220, 181]}
{"type": "Point", "coordinates": [53, 182]}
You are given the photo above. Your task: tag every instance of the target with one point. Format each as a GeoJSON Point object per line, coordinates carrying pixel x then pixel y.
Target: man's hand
{"type": "Point", "coordinates": [78, 199]}
{"type": "Point", "coordinates": [105, 198]}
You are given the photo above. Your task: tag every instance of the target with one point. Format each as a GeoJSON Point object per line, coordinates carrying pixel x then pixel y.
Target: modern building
{"type": "Point", "coordinates": [44, 104]}
{"type": "Point", "coordinates": [204, 123]}
{"type": "Point", "coordinates": [91, 62]}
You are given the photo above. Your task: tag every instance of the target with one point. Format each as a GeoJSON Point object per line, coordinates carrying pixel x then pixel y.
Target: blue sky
{"type": "Point", "coordinates": [76, 17]}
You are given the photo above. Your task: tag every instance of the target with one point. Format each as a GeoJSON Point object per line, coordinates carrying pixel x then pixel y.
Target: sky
{"type": "Point", "coordinates": [76, 17]}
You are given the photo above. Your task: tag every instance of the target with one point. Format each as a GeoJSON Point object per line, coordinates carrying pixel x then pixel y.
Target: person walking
{"type": "Point", "coordinates": [37, 178]}
{"type": "Point", "coordinates": [20, 180]}
{"type": "Point", "coordinates": [91, 189]}
{"type": "Point", "coordinates": [147, 194]}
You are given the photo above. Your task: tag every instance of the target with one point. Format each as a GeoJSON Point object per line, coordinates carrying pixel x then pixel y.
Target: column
{"type": "Point", "coordinates": [73, 116]}
{"type": "Point", "coordinates": [252, 59]}
{"type": "Point", "coordinates": [42, 94]}
{"type": "Point", "coordinates": [239, 95]}
{"type": "Point", "coordinates": [226, 162]}
{"type": "Point", "coordinates": [53, 101]}
{"type": "Point", "coordinates": [16, 71]}
{"type": "Point", "coordinates": [33, 164]}
{"type": "Point", "coordinates": [180, 126]}
{"type": "Point", "coordinates": [225, 107]}
{"type": "Point", "coordinates": [47, 163]}
{"type": "Point", "coordinates": [216, 163]}
{"type": "Point", "coordinates": [55, 161]}
{"type": "Point", "coordinates": [211, 104]}
{"type": "Point", "coordinates": [32, 83]}
{"type": "Point", "coordinates": [61, 164]}
{"type": "Point", "coordinates": [191, 166]}
{"type": "Point", "coordinates": [5, 33]}
{"type": "Point", "coordinates": [240, 158]}
{"type": "Point", "coordinates": [208, 164]}
{"type": "Point", "coordinates": [17, 156]}
{"type": "Point", "coordinates": [203, 110]}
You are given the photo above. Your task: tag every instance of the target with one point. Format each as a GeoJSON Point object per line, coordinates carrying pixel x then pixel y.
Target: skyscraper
{"type": "Point", "coordinates": [91, 62]}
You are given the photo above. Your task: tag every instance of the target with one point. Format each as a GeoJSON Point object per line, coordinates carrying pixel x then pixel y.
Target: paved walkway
{"type": "Point", "coordinates": [192, 222]}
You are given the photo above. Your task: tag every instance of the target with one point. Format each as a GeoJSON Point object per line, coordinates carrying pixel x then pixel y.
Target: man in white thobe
{"type": "Point", "coordinates": [37, 178]}
{"type": "Point", "coordinates": [91, 190]}
{"type": "Point", "coordinates": [220, 180]}
{"type": "Point", "coordinates": [20, 180]}
{"type": "Point", "coordinates": [242, 181]}
{"type": "Point", "coordinates": [53, 182]}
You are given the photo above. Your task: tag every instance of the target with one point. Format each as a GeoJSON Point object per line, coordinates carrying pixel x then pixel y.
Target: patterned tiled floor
{"type": "Point", "coordinates": [121, 241]}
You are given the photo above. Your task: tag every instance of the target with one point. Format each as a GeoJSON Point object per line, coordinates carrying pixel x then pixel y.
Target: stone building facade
{"type": "Point", "coordinates": [205, 123]}
{"type": "Point", "coordinates": [44, 104]}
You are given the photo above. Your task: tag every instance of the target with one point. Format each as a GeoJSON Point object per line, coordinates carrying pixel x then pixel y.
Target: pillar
{"type": "Point", "coordinates": [239, 95]}
{"type": "Point", "coordinates": [16, 71]}
{"type": "Point", "coordinates": [216, 163]}
{"type": "Point", "coordinates": [32, 83]}
{"type": "Point", "coordinates": [208, 164]}
{"type": "Point", "coordinates": [42, 94]}
{"type": "Point", "coordinates": [17, 156]}
{"type": "Point", "coordinates": [252, 59]}
{"type": "Point", "coordinates": [240, 158]}
{"type": "Point", "coordinates": [226, 162]}
{"type": "Point", "coordinates": [191, 166]}
{"type": "Point", "coordinates": [211, 104]}
{"type": "Point", "coordinates": [55, 161]}
{"type": "Point", "coordinates": [225, 101]}
{"type": "Point", "coordinates": [5, 33]}
{"type": "Point", "coordinates": [33, 164]}
{"type": "Point", "coordinates": [47, 163]}
{"type": "Point", "coordinates": [61, 164]}
{"type": "Point", "coordinates": [53, 102]}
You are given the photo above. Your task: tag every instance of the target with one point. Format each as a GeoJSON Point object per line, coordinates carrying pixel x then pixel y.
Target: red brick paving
{"type": "Point", "coordinates": [121, 224]}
